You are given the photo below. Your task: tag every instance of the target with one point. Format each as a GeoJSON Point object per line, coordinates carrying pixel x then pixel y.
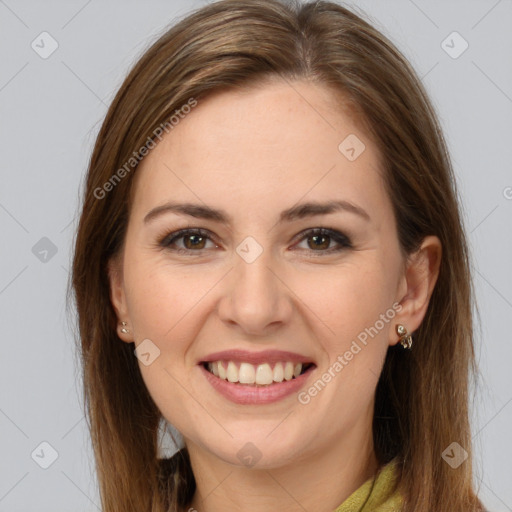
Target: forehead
{"type": "Point", "coordinates": [264, 145]}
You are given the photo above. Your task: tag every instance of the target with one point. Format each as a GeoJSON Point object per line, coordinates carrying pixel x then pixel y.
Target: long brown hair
{"type": "Point", "coordinates": [422, 396]}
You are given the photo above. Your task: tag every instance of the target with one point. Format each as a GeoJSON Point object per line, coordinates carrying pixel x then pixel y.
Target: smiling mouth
{"type": "Point", "coordinates": [257, 375]}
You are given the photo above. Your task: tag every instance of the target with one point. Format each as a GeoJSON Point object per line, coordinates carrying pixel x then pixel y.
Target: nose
{"type": "Point", "coordinates": [255, 297]}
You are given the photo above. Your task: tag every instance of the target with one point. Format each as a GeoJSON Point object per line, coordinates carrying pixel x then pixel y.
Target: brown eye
{"type": "Point", "coordinates": [320, 240]}
{"type": "Point", "coordinates": [194, 240]}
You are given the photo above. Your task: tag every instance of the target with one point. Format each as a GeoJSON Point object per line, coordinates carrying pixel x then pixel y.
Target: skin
{"type": "Point", "coordinates": [253, 154]}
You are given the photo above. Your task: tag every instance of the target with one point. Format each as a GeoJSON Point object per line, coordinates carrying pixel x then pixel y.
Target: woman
{"type": "Point", "coordinates": [270, 258]}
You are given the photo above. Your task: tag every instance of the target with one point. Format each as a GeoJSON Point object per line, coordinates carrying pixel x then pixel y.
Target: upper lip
{"type": "Point", "coordinates": [265, 356]}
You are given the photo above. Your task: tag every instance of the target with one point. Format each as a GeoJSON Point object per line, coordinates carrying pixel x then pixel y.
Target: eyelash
{"type": "Point", "coordinates": [169, 239]}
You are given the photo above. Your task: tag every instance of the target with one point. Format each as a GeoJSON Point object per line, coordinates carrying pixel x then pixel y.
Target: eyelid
{"type": "Point", "coordinates": [165, 241]}
{"type": "Point", "coordinates": [337, 236]}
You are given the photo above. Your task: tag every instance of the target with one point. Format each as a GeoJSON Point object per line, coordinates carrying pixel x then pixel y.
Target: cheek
{"type": "Point", "coordinates": [353, 315]}
{"type": "Point", "coordinates": [163, 306]}
{"type": "Point", "coordinates": [351, 312]}
{"type": "Point", "coordinates": [161, 298]}
{"type": "Point", "coordinates": [347, 299]}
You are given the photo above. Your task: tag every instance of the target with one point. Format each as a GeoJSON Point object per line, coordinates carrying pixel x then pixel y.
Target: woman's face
{"type": "Point", "coordinates": [258, 280]}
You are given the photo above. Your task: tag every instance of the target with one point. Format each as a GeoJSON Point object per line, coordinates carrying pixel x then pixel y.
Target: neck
{"type": "Point", "coordinates": [320, 480]}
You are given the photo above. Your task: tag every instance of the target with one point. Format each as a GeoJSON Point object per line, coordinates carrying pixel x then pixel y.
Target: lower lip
{"type": "Point", "coordinates": [248, 395]}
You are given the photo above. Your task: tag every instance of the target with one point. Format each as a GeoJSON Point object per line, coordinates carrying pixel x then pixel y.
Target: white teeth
{"type": "Point", "coordinates": [232, 372]}
{"type": "Point", "coordinates": [278, 372]}
{"type": "Point", "coordinates": [261, 374]}
{"type": "Point", "coordinates": [214, 368]}
{"type": "Point", "coordinates": [247, 374]}
{"type": "Point", "coordinates": [222, 371]}
{"type": "Point", "coordinates": [264, 374]}
{"type": "Point", "coordinates": [288, 371]}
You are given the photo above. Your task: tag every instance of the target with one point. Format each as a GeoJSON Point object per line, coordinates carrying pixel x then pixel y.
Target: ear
{"type": "Point", "coordinates": [118, 298]}
{"type": "Point", "coordinates": [417, 284]}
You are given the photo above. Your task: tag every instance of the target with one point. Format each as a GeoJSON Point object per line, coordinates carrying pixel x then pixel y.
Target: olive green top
{"type": "Point", "coordinates": [378, 494]}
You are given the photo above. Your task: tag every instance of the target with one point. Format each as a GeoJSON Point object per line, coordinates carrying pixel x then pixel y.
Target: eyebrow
{"type": "Point", "coordinates": [296, 212]}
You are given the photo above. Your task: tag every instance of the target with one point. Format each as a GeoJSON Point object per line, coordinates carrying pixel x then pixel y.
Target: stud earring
{"type": "Point", "coordinates": [405, 337]}
{"type": "Point", "coordinates": [124, 330]}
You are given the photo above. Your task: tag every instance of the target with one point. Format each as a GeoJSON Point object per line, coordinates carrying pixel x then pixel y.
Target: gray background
{"type": "Point", "coordinates": [51, 110]}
